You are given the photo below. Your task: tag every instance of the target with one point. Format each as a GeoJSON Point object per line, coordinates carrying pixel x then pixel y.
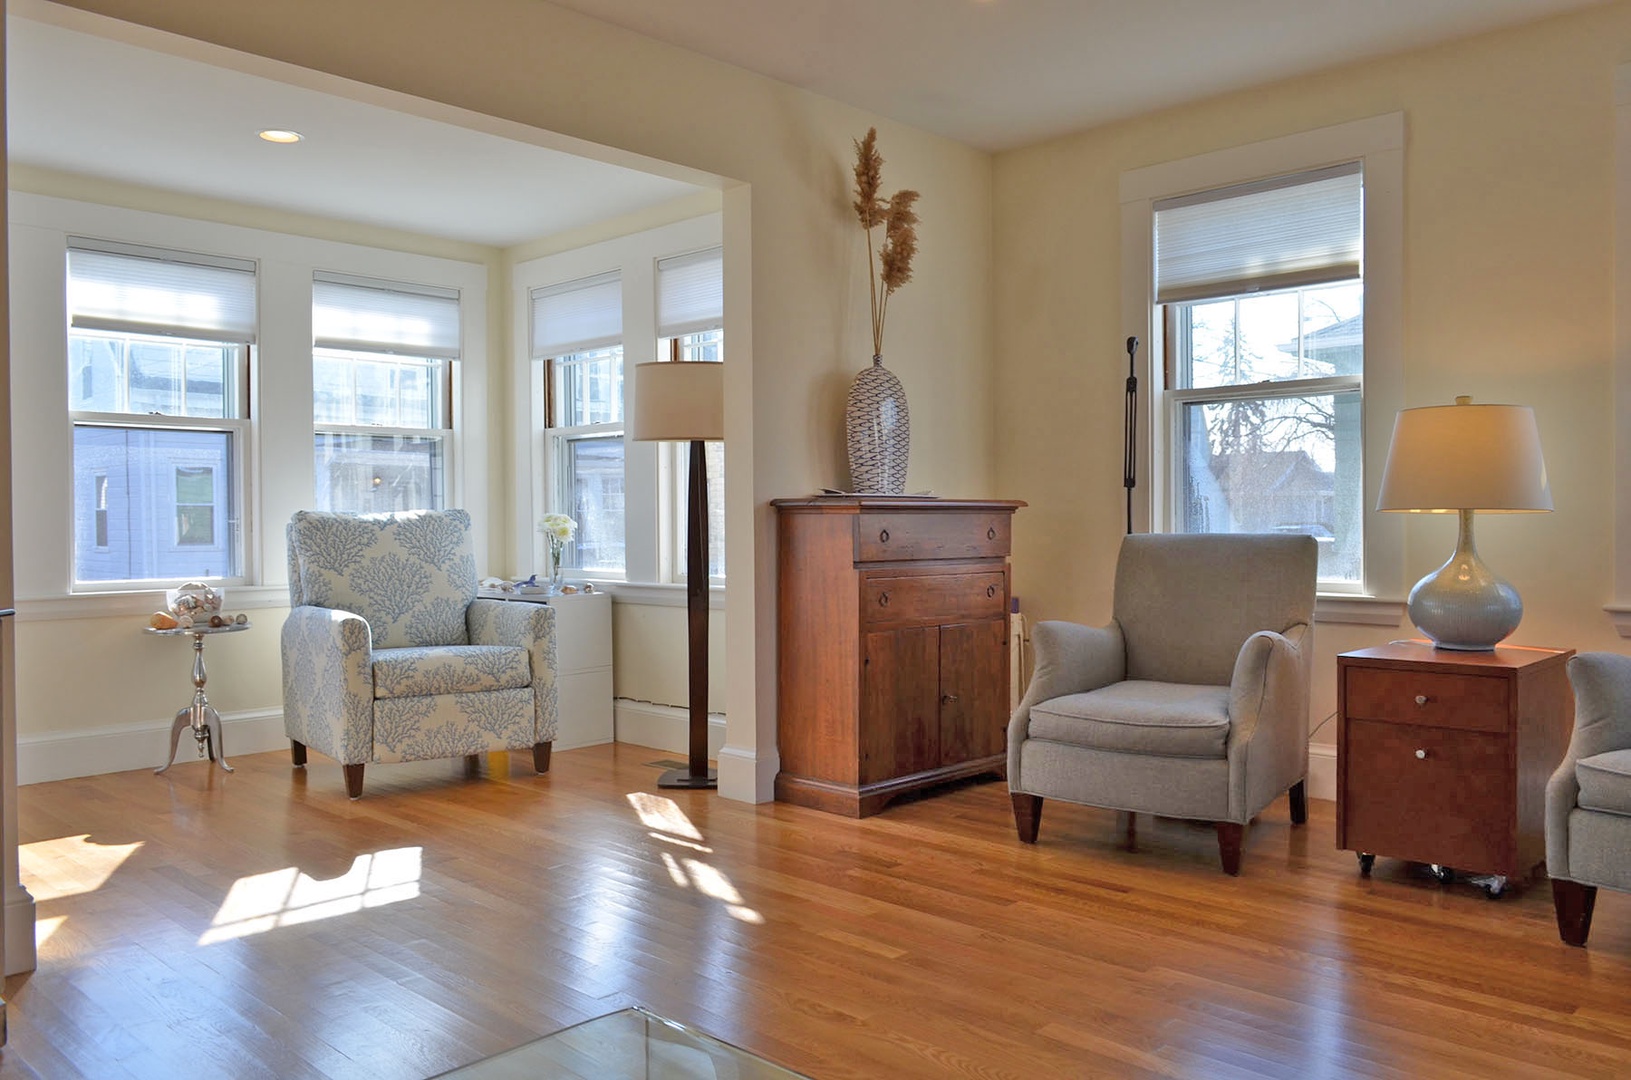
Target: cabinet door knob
{"type": "Point", "coordinates": [990, 590]}
{"type": "Point", "coordinates": [1421, 755]}
{"type": "Point", "coordinates": [948, 699]}
{"type": "Point", "coordinates": [883, 599]}
{"type": "Point", "coordinates": [883, 536]}
{"type": "Point", "coordinates": [991, 533]}
{"type": "Point", "coordinates": [1421, 699]}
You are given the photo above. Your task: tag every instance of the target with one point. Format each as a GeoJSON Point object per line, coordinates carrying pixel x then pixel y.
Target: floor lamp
{"type": "Point", "coordinates": [684, 401]}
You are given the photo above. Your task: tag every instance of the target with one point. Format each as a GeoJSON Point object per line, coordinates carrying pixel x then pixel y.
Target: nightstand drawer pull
{"type": "Point", "coordinates": [883, 536]}
{"type": "Point", "coordinates": [883, 599]}
{"type": "Point", "coordinates": [1422, 699]}
{"type": "Point", "coordinates": [990, 590]}
{"type": "Point", "coordinates": [991, 533]}
{"type": "Point", "coordinates": [1421, 755]}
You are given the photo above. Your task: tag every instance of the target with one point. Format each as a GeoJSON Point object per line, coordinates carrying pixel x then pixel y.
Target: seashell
{"type": "Point", "coordinates": [568, 590]}
{"type": "Point", "coordinates": [162, 620]}
{"type": "Point", "coordinates": [217, 620]}
{"type": "Point", "coordinates": [184, 621]}
{"type": "Point", "coordinates": [241, 619]}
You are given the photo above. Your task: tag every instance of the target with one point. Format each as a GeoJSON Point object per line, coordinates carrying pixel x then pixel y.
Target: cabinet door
{"type": "Point", "coordinates": [973, 690]}
{"type": "Point", "coordinates": [900, 702]}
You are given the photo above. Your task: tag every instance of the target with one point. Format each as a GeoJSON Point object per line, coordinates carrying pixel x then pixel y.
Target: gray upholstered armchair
{"type": "Point", "coordinates": [389, 656]}
{"type": "Point", "coordinates": [1192, 703]}
{"type": "Point", "coordinates": [1588, 799]}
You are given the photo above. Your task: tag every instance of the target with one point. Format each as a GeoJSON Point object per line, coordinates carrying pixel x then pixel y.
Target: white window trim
{"type": "Point", "coordinates": [1619, 611]}
{"type": "Point", "coordinates": [635, 258]}
{"type": "Point", "coordinates": [278, 450]}
{"type": "Point", "coordinates": [1379, 142]}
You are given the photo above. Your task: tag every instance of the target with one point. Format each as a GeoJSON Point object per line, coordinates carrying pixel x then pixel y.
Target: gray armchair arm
{"type": "Point", "coordinates": [532, 627]}
{"type": "Point", "coordinates": [1268, 718]}
{"type": "Point", "coordinates": [1070, 659]}
{"type": "Point", "coordinates": [1602, 722]}
{"type": "Point", "coordinates": [328, 682]}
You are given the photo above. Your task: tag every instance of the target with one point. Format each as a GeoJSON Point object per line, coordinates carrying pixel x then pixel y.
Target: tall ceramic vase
{"type": "Point", "coordinates": [878, 431]}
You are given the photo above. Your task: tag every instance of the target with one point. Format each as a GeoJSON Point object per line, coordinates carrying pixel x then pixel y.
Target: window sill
{"type": "Point", "coordinates": [1358, 610]}
{"type": "Point", "coordinates": [144, 602]}
{"type": "Point", "coordinates": [653, 594]}
{"type": "Point", "coordinates": [1620, 616]}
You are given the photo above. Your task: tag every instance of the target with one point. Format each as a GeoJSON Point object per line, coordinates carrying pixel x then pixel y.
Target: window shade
{"type": "Point", "coordinates": [1289, 231]}
{"type": "Point", "coordinates": [360, 315]}
{"type": "Point", "coordinates": [577, 316]}
{"type": "Point", "coordinates": [138, 290]}
{"type": "Point", "coordinates": [690, 293]}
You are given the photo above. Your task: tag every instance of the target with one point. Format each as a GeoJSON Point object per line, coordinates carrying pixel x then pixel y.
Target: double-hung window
{"type": "Point", "coordinates": [382, 377]}
{"type": "Point", "coordinates": [158, 383]}
{"type": "Point", "coordinates": [691, 328]}
{"type": "Point", "coordinates": [1261, 295]}
{"type": "Point", "coordinates": [577, 334]}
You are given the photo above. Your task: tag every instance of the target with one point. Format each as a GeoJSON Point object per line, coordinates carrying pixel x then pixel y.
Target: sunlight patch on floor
{"type": "Point", "coordinates": [69, 865]}
{"type": "Point", "coordinates": [289, 897]}
{"type": "Point", "coordinates": [44, 928]}
{"type": "Point", "coordinates": [671, 825]}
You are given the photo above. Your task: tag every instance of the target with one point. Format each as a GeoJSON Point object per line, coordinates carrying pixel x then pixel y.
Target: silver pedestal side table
{"type": "Point", "coordinates": [200, 716]}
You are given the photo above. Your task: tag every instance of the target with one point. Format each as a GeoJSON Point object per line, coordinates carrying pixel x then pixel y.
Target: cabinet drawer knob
{"type": "Point", "coordinates": [991, 533]}
{"type": "Point", "coordinates": [1421, 755]}
{"type": "Point", "coordinates": [883, 536]}
{"type": "Point", "coordinates": [949, 699]}
{"type": "Point", "coordinates": [1422, 699]}
{"type": "Point", "coordinates": [990, 590]}
{"type": "Point", "coordinates": [883, 599]}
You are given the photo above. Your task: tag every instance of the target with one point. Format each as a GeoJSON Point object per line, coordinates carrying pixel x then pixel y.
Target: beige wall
{"type": "Point", "coordinates": [1508, 287]}
{"type": "Point", "coordinates": [527, 61]}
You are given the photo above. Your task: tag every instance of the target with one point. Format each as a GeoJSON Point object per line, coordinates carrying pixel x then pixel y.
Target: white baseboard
{"type": "Point", "coordinates": [19, 931]}
{"type": "Point", "coordinates": [61, 755]}
{"type": "Point", "coordinates": [1322, 771]}
{"type": "Point", "coordinates": [747, 776]}
{"type": "Point", "coordinates": [663, 727]}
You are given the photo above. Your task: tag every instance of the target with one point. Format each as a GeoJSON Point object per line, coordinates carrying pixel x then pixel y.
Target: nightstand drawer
{"type": "Point", "coordinates": [898, 598]}
{"type": "Point", "coordinates": [1426, 698]}
{"type": "Point", "coordinates": [1430, 794]}
{"type": "Point", "coordinates": [891, 537]}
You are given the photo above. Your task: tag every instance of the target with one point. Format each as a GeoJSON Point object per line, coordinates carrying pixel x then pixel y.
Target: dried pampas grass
{"type": "Point", "coordinates": [890, 265]}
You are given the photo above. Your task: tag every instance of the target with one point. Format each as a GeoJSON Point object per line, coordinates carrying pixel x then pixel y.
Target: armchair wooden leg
{"type": "Point", "coordinates": [1027, 815]}
{"type": "Point", "coordinates": [1229, 837]}
{"type": "Point", "coordinates": [540, 756]}
{"type": "Point", "coordinates": [297, 753]}
{"type": "Point", "coordinates": [353, 781]}
{"type": "Point", "coordinates": [1299, 803]}
{"type": "Point", "coordinates": [1574, 903]}
{"type": "Point", "coordinates": [1132, 830]}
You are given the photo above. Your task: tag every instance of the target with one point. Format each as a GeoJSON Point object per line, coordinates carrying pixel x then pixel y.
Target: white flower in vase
{"type": "Point", "coordinates": [558, 529]}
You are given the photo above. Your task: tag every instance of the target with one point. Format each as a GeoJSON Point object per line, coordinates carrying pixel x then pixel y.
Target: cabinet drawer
{"type": "Point", "coordinates": [887, 598]}
{"type": "Point", "coordinates": [886, 537]}
{"type": "Point", "coordinates": [1430, 699]}
{"type": "Point", "coordinates": [1428, 794]}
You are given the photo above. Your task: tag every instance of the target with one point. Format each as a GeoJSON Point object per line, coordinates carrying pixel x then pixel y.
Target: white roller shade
{"type": "Point", "coordinates": [577, 316]}
{"type": "Point", "coordinates": [1289, 231]}
{"type": "Point", "coordinates": [690, 293]}
{"type": "Point", "coordinates": [359, 315]}
{"type": "Point", "coordinates": [137, 290]}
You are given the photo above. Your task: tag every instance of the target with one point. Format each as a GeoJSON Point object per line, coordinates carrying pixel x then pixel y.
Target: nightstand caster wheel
{"type": "Point", "coordinates": [1444, 874]}
{"type": "Point", "coordinates": [1366, 861]}
{"type": "Point", "coordinates": [1494, 887]}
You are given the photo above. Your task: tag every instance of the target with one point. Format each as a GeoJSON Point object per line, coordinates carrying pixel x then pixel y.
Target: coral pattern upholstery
{"type": "Point", "coordinates": [389, 656]}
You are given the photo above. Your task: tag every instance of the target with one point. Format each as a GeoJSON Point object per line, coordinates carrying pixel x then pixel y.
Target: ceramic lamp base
{"type": "Point", "coordinates": [1462, 605]}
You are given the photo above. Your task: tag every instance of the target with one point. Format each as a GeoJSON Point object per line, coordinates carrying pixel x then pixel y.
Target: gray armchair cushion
{"type": "Point", "coordinates": [1137, 717]}
{"type": "Point", "coordinates": [449, 669]}
{"type": "Point", "coordinates": [1605, 782]}
{"type": "Point", "coordinates": [1186, 603]}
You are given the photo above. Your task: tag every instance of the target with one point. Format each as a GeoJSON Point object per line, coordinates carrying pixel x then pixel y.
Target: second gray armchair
{"type": "Point", "coordinates": [1191, 703]}
{"type": "Point", "coordinates": [1588, 799]}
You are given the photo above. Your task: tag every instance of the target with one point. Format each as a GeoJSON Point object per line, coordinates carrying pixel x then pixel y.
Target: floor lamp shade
{"type": "Point", "coordinates": [685, 402]}
{"type": "Point", "coordinates": [1458, 459]}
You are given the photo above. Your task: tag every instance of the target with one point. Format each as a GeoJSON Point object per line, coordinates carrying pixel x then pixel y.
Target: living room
{"type": "Point", "coordinates": [1008, 341]}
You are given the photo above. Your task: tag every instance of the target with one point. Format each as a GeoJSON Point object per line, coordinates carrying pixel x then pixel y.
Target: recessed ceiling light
{"type": "Point", "coordinates": [278, 135]}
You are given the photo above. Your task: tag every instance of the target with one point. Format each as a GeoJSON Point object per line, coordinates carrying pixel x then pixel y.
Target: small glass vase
{"type": "Point", "coordinates": [555, 576]}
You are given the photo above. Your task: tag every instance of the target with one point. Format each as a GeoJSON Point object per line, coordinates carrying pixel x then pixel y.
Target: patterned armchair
{"type": "Point", "coordinates": [389, 656]}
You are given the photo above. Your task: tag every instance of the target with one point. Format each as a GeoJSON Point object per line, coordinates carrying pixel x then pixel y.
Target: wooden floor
{"type": "Point", "coordinates": [261, 925]}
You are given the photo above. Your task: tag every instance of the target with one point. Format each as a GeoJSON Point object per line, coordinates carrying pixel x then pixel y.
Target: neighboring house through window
{"type": "Point", "coordinates": [158, 355]}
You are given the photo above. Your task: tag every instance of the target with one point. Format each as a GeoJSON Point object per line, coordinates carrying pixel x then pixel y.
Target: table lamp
{"type": "Point", "coordinates": [679, 401]}
{"type": "Point", "coordinates": [1458, 459]}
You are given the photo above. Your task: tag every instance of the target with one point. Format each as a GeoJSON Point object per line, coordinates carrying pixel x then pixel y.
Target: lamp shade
{"type": "Point", "coordinates": [679, 401]}
{"type": "Point", "coordinates": [1445, 458]}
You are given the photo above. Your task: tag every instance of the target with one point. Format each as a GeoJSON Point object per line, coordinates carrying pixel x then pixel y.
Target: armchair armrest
{"type": "Point", "coordinates": [1268, 718]}
{"type": "Point", "coordinates": [1070, 659]}
{"type": "Point", "coordinates": [328, 682]}
{"type": "Point", "coordinates": [532, 627]}
{"type": "Point", "coordinates": [1602, 722]}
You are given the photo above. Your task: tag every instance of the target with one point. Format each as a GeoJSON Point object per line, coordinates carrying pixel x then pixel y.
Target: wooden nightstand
{"type": "Point", "coordinates": [1443, 757]}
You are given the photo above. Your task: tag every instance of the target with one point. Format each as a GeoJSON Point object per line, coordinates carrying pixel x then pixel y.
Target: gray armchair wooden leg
{"type": "Point", "coordinates": [1027, 815]}
{"type": "Point", "coordinates": [297, 753]}
{"type": "Point", "coordinates": [1574, 903]}
{"type": "Point", "coordinates": [540, 756]}
{"type": "Point", "coordinates": [1229, 837]}
{"type": "Point", "coordinates": [1299, 803]}
{"type": "Point", "coordinates": [353, 781]}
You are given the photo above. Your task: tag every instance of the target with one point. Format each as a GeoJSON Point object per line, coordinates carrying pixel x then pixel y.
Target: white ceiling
{"type": "Point", "coordinates": [163, 121]}
{"type": "Point", "coordinates": [1003, 73]}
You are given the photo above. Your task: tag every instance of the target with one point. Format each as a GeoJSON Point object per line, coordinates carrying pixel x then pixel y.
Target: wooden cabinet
{"type": "Point", "coordinates": [893, 647]}
{"type": "Point", "coordinates": [1443, 756]}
